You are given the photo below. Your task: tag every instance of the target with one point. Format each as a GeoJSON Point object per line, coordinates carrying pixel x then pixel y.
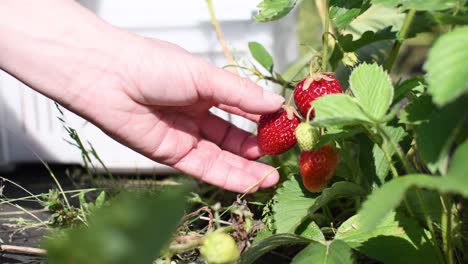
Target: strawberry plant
{"type": "Point", "coordinates": [371, 147]}
{"type": "Point", "coordinates": [379, 173]}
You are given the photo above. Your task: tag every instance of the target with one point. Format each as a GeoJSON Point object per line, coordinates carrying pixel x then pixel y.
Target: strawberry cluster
{"type": "Point", "coordinates": [280, 131]}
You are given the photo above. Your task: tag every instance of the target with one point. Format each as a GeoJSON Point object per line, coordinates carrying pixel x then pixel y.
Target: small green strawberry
{"type": "Point", "coordinates": [307, 136]}
{"type": "Point", "coordinates": [219, 248]}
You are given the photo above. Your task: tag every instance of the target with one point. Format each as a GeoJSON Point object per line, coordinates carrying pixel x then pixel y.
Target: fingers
{"type": "Point", "coordinates": [239, 112]}
{"type": "Point", "coordinates": [230, 137]}
{"type": "Point", "coordinates": [226, 170]}
{"type": "Point", "coordinates": [226, 88]}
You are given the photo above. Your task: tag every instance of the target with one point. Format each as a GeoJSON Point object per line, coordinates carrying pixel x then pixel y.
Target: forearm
{"type": "Point", "coordinates": [58, 48]}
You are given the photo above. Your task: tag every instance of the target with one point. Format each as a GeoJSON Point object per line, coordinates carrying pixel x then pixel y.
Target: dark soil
{"type": "Point", "coordinates": [37, 180]}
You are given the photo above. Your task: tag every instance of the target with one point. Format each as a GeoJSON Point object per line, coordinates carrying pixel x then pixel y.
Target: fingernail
{"type": "Point", "coordinates": [273, 98]}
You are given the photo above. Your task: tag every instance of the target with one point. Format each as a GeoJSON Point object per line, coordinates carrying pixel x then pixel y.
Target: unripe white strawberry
{"type": "Point", "coordinates": [307, 136]}
{"type": "Point", "coordinates": [219, 248]}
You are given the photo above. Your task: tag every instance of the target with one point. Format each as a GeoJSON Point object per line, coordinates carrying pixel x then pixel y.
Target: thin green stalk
{"type": "Point", "coordinates": [281, 82]}
{"type": "Point", "coordinates": [409, 169]}
{"type": "Point", "coordinates": [219, 34]}
{"type": "Point", "coordinates": [326, 26]}
{"type": "Point", "coordinates": [447, 227]}
{"type": "Point", "coordinates": [402, 35]}
{"type": "Point", "coordinates": [430, 225]}
{"type": "Point", "coordinates": [21, 187]}
{"type": "Point", "coordinates": [396, 147]}
{"type": "Point", "coordinates": [26, 212]}
{"type": "Point", "coordinates": [390, 162]}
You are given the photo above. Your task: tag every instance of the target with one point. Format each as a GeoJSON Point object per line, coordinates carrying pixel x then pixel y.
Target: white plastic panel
{"type": "Point", "coordinates": [28, 120]}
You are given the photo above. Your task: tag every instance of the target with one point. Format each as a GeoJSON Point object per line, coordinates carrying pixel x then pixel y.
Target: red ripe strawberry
{"type": "Point", "coordinates": [320, 85]}
{"type": "Point", "coordinates": [317, 167]}
{"type": "Point", "coordinates": [276, 132]}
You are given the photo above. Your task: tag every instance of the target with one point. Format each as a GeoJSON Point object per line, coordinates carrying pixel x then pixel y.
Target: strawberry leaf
{"type": "Point", "coordinates": [373, 89]}
{"type": "Point", "coordinates": [335, 252]}
{"type": "Point", "coordinates": [458, 166]}
{"type": "Point", "coordinates": [132, 229]}
{"type": "Point", "coordinates": [447, 74]}
{"type": "Point", "coordinates": [338, 110]}
{"type": "Point", "coordinates": [435, 137]}
{"type": "Point", "coordinates": [382, 165]}
{"type": "Point", "coordinates": [268, 244]}
{"type": "Point", "coordinates": [292, 204]}
{"type": "Point", "coordinates": [261, 55]}
{"type": "Point", "coordinates": [420, 5]}
{"type": "Point", "coordinates": [274, 9]}
{"type": "Point", "coordinates": [383, 201]}
{"type": "Point", "coordinates": [396, 232]}
{"type": "Point", "coordinates": [342, 12]}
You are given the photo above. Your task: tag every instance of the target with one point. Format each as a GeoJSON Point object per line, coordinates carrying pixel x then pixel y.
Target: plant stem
{"type": "Point", "coordinates": [396, 147]}
{"type": "Point", "coordinates": [409, 169]}
{"type": "Point", "coordinates": [447, 227]}
{"type": "Point", "coordinates": [281, 82]}
{"type": "Point", "coordinates": [390, 162]}
{"type": "Point", "coordinates": [176, 249]}
{"type": "Point", "coordinates": [401, 37]}
{"type": "Point", "coordinates": [326, 27]}
{"type": "Point", "coordinates": [430, 225]}
{"type": "Point", "coordinates": [220, 35]}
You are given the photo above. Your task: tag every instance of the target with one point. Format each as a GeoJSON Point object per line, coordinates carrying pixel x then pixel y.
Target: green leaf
{"type": "Point", "coordinates": [293, 70]}
{"type": "Point", "coordinates": [100, 200]}
{"type": "Point", "coordinates": [447, 74]}
{"type": "Point", "coordinates": [342, 12]}
{"type": "Point", "coordinates": [336, 191]}
{"type": "Point", "coordinates": [261, 55]}
{"type": "Point", "coordinates": [292, 203]}
{"type": "Point", "coordinates": [382, 165]}
{"type": "Point", "coordinates": [348, 43]}
{"type": "Point", "coordinates": [338, 110]}
{"type": "Point", "coordinates": [458, 165]}
{"type": "Point", "coordinates": [402, 89]}
{"type": "Point", "coordinates": [375, 19]}
{"type": "Point", "coordinates": [401, 234]}
{"type": "Point", "coordinates": [274, 9]}
{"type": "Point", "coordinates": [432, 205]}
{"type": "Point", "coordinates": [261, 235]}
{"type": "Point", "coordinates": [443, 18]}
{"type": "Point", "coordinates": [418, 111]}
{"type": "Point", "coordinates": [338, 135]}
{"type": "Point", "coordinates": [384, 200]}
{"type": "Point", "coordinates": [435, 137]}
{"type": "Point", "coordinates": [337, 252]}
{"type": "Point", "coordinates": [133, 229]}
{"type": "Point", "coordinates": [372, 88]}
{"type": "Point", "coordinates": [420, 5]}
{"type": "Point", "coordinates": [268, 244]}
{"type": "Point", "coordinates": [311, 231]}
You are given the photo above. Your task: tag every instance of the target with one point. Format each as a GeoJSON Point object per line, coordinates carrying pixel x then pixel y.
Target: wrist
{"type": "Point", "coordinates": [61, 50]}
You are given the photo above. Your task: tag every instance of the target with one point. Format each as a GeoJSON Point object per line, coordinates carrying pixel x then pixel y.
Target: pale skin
{"type": "Point", "coordinates": [150, 95]}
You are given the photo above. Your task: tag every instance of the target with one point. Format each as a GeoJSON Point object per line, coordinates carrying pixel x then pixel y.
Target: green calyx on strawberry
{"type": "Point", "coordinates": [350, 59]}
{"type": "Point", "coordinates": [219, 248]}
{"type": "Point", "coordinates": [313, 87]}
{"type": "Point", "coordinates": [276, 131]}
{"type": "Point", "coordinates": [307, 136]}
{"type": "Point", "coordinates": [317, 167]}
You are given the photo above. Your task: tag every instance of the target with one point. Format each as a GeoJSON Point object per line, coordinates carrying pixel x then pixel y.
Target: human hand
{"type": "Point", "coordinates": [148, 94]}
{"type": "Point", "coordinates": [158, 104]}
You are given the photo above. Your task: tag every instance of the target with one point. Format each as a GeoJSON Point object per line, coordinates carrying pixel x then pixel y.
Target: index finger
{"type": "Point", "coordinates": [223, 87]}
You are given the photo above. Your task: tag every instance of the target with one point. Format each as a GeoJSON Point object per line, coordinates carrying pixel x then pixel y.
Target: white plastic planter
{"type": "Point", "coordinates": [28, 121]}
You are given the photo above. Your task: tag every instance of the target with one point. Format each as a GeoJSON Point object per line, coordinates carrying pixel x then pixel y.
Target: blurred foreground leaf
{"type": "Point", "coordinates": [132, 229]}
